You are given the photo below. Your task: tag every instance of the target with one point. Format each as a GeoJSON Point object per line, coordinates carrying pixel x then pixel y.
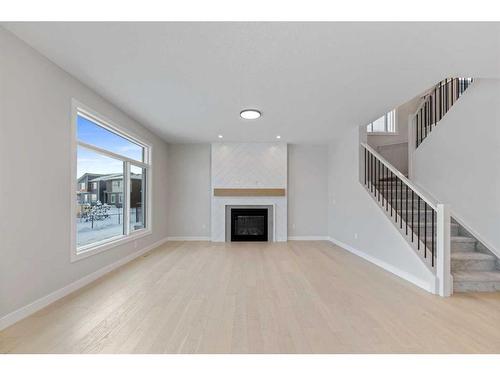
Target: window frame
{"type": "Point", "coordinates": [77, 253]}
{"type": "Point", "coordinates": [395, 132]}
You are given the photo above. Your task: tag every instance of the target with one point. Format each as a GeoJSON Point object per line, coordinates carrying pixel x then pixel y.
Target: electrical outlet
{"type": "Point", "coordinates": [355, 236]}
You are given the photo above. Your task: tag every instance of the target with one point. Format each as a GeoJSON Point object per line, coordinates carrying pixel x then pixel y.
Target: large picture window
{"type": "Point", "coordinates": [112, 171]}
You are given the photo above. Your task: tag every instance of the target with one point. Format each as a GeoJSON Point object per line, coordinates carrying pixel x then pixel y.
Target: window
{"type": "Point", "coordinates": [116, 161]}
{"type": "Point", "coordinates": [82, 186]}
{"type": "Point", "coordinates": [384, 125]}
{"type": "Point", "coordinates": [137, 189]}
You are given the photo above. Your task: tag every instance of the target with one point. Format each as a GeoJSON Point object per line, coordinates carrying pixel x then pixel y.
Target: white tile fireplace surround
{"type": "Point", "coordinates": [249, 166]}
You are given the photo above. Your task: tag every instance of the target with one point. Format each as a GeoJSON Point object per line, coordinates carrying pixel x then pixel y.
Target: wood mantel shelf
{"type": "Point", "coordinates": [254, 192]}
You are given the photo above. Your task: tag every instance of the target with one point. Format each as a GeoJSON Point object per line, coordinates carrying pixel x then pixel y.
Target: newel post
{"type": "Point", "coordinates": [443, 262]}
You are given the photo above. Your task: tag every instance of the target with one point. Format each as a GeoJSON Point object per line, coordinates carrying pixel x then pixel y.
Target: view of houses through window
{"type": "Point", "coordinates": [108, 163]}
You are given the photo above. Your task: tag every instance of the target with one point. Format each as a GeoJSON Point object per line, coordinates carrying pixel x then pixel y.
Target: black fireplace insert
{"type": "Point", "coordinates": [249, 224]}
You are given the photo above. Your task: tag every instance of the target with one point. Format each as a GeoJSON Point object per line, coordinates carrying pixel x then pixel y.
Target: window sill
{"type": "Point", "coordinates": [107, 245]}
{"type": "Point", "coordinates": [381, 133]}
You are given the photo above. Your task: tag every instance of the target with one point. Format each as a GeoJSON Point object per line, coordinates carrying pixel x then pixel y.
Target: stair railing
{"type": "Point", "coordinates": [423, 222]}
{"type": "Point", "coordinates": [435, 104]}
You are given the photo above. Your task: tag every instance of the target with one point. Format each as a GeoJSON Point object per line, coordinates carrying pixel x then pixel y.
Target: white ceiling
{"type": "Point", "coordinates": [188, 81]}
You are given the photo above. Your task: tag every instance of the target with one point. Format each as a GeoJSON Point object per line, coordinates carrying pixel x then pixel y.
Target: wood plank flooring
{"type": "Point", "coordinates": [295, 297]}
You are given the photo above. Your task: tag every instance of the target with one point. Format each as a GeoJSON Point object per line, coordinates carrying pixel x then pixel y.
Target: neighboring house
{"type": "Point", "coordinates": [88, 191]}
{"type": "Point", "coordinates": [108, 188]}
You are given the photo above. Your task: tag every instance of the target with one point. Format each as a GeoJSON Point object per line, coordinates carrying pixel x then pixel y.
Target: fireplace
{"type": "Point", "coordinates": [249, 224]}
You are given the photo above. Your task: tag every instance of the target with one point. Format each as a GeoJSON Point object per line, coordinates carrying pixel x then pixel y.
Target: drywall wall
{"type": "Point", "coordinates": [35, 178]}
{"type": "Point", "coordinates": [357, 222]}
{"type": "Point", "coordinates": [394, 147]}
{"type": "Point", "coordinates": [397, 155]}
{"type": "Point", "coordinates": [402, 113]}
{"type": "Point", "coordinates": [458, 163]}
{"type": "Point", "coordinates": [188, 189]}
{"type": "Point", "coordinates": [307, 191]}
{"type": "Point", "coordinates": [189, 195]}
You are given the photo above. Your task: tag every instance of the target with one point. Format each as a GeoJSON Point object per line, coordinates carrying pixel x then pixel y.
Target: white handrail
{"type": "Point", "coordinates": [407, 182]}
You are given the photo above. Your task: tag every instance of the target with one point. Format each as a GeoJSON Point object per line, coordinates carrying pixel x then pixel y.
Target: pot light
{"type": "Point", "coordinates": [220, 136]}
{"type": "Point", "coordinates": [250, 114]}
{"type": "Point", "coordinates": [278, 137]}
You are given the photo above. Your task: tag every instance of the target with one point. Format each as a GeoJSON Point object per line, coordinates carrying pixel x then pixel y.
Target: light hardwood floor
{"type": "Point", "coordinates": [295, 297]}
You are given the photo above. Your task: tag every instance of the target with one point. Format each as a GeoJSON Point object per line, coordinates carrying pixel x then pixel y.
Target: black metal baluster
{"type": "Point", "coordinates": [391, 194]}
{"type": "Point", "coordinates": [452, 91]}
{"type": "Point", "coordinates": [435, 117]}
{"type": "Point", "coordinates": [416, 127]}
{"type": "Point", "coordinates": [365, 166]}
{"type": "Point", "coordinates": [401, 205]}
{"type": "Point", "coordinates": [446, 95]}
{"type": "Point", "coordinates": [386, 183]}
{"type": "Point", "coordinates": [425, 120]}
{"type": "Point", "coordinates": [418, 222]}
{"type": "Point", "coordinates": [433, 239]}
{"type": "Point", "coordinates": [425, 229]}
{"type": "Point", "coordinates": [442, 102]}
{"type": "Point", "coordinates": [430, 115]}
{"type": "Point", "coordinates": [396, 200]}
{"type": "Point", "coordinates": [406, 219]}
{"type": "Point", "coordinates": [370, 170]}
{"type": "Point", "coordinates": [378, 179]}
{"type": "Point", "coordinates": [412, 226]}
{"type": "Point", "coordinates": [421, 134]}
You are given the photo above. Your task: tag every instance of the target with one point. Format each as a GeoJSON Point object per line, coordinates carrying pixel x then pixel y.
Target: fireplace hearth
{"type": "Point", "coordinates": [249, 224]}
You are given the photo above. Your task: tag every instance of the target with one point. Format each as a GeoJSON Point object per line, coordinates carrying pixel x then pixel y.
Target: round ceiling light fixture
{"type": "Point", "coordinates": [250, 114]}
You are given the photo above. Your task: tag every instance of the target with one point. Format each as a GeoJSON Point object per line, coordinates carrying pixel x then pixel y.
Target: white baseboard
{"type": "Point", "coordinates": [188, 238]}
{"type": "Point", "coordinates": [308, 238]}
{"type": "Point", "coordinates": [429, 286]}
{"type": "Point", "coordinates": [39, 304]}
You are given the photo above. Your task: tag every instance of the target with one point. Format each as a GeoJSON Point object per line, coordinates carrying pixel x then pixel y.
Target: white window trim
{"type": "Point", "coordinates": [78, 253]}
{"type": "Point", "coordinates": [396, 128]}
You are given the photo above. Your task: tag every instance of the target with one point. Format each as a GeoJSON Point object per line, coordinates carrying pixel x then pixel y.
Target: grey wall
{"type": "Point", "coordinates": [189, 190]}
{"type": "Point", "coordinates": [307, 190]}
{"type": "Point", "coordinates": [396, 154]}
{"type": "Point", "coordinates": [459, 162]}
{"type": "Point", "coordinates": [394, 148]}
{"type": "Point", "coordinates": [358, 222]}
{"type": "Point", "coordinates": [35, 177]}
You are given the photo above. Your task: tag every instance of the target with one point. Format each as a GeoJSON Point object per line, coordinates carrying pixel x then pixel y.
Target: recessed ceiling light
{"type": "Point", "coordinates": [278, 137]}
{"type": "Point", "coordinates": [220, 136]}
{"type": "Point", "coordinates": [250, 114]}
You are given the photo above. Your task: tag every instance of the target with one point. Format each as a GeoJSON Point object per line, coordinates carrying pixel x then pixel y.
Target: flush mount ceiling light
{"type": "Point", "coordinates": [278, 137]}
{"type": "Point", "coordinates": [220, 136]}
{"type": "Point", "coordinates": [250, 114]}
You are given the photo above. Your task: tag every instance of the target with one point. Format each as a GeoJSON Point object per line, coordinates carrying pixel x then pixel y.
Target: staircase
{"type": "Point", "coordinates": [423, 222]}
{"type": "Point", "coordinates": [458, 260]}
{"type": "Point", "coordinates": [473, 266]}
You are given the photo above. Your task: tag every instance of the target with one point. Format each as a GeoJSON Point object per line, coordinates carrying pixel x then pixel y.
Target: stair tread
{"type": "Point", "coordinates": [476, 276]}
{"type": "Point", "coordinates": [462, 239]}
{"type": "Point", "coordinates": [471, 255]}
